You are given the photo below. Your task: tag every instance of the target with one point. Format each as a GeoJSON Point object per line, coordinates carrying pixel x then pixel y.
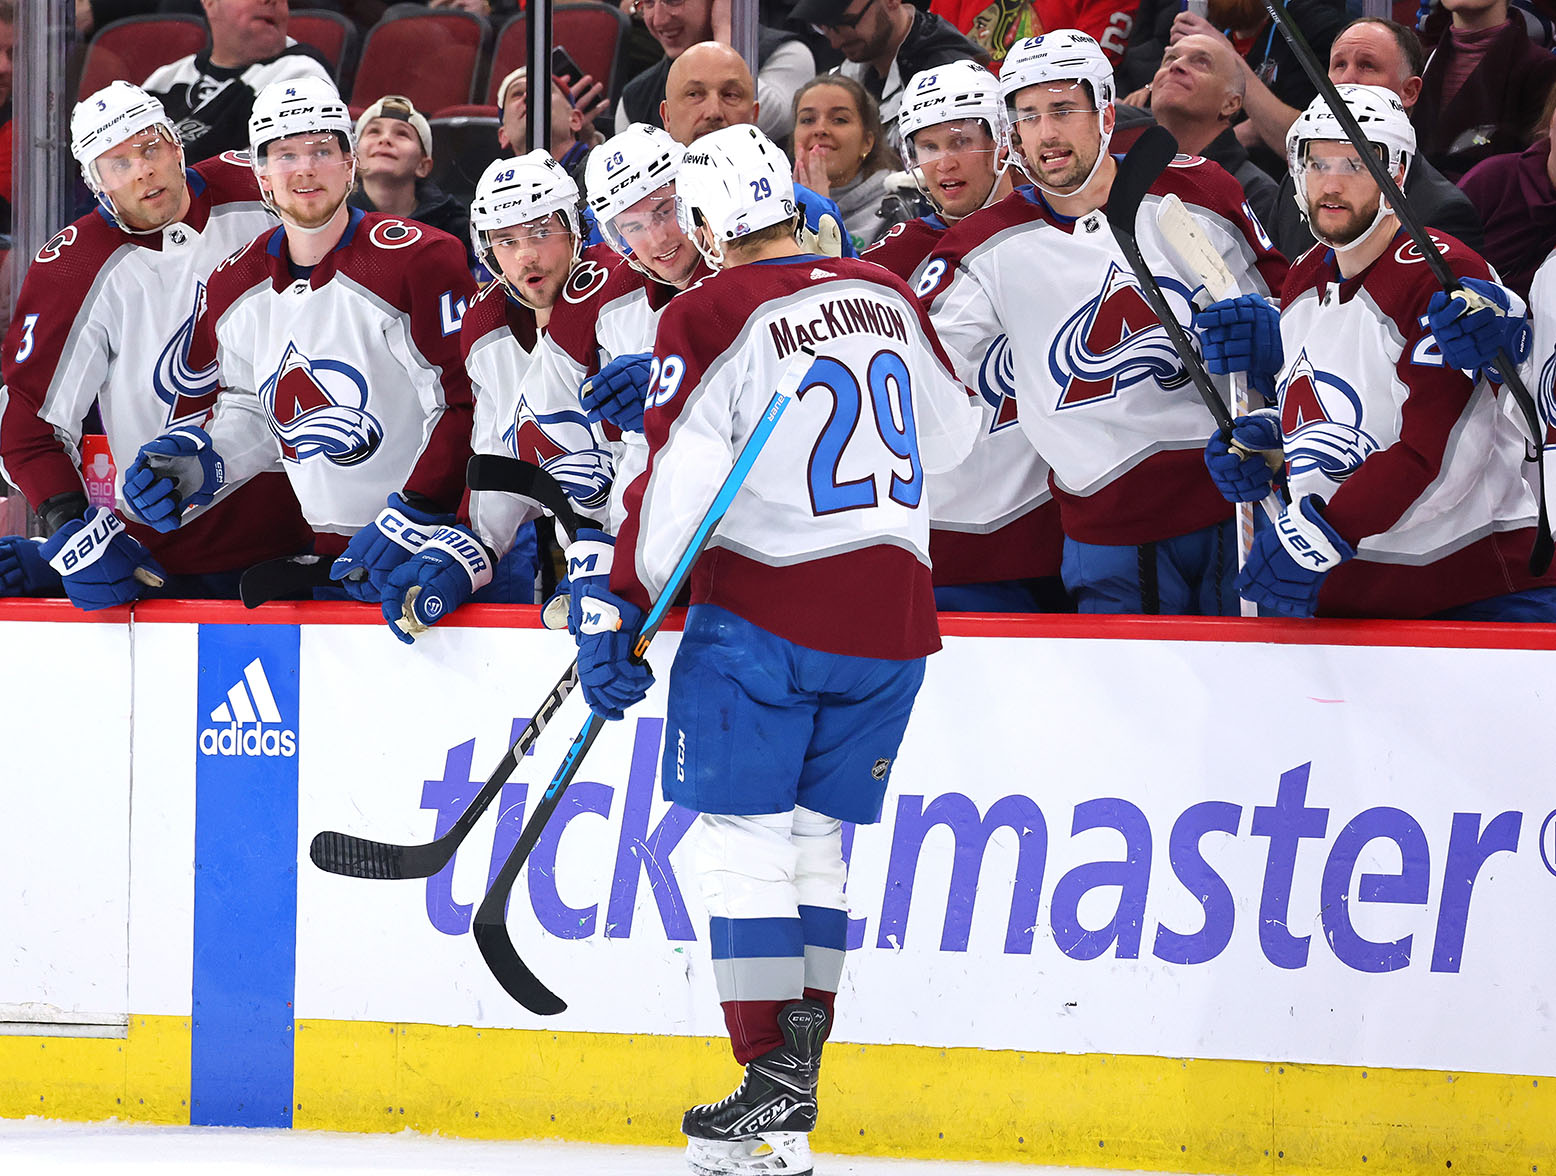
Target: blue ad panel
{"type": "Point", "coordinates": [245, 898]}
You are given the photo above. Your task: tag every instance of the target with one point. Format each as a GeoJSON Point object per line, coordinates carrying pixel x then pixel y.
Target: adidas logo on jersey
{"type": "Point", "coordinates": [249, 722]}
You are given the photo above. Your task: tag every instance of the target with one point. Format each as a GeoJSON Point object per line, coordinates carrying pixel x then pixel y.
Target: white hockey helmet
{"type": "Point", "coordinates": [516, 191]}
{"type": "Point", "coordinates": [298, 107]}
{"type": "Point", "coordinates": [733, 181]}
{"type": "Point", "coordinates": [102, 121]}
{"type": "Point", "coordinates": [623, 170]}
{"type": "Point", "coordinates": [951, 93]}
{"type": "Point", "coordinates": [1382, 119]}
{"type": "Point", "coordinates": [1066, 55]}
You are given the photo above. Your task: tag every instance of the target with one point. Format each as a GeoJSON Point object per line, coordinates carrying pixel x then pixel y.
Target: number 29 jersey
{"type": "Point", "coordinates": [827, 543]}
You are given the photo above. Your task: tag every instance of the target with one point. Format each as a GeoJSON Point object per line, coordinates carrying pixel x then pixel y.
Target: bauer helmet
{"type": "Point", "coordinates": [1382, 119]}
{"type": "Point", "coordinates": [1067, 55]}
{"type": "Point", "coordinates": [102, 121]}
{"type": "Point", "coordinates": [733, 181]}
{"type": "Point", "coordinates": [951, 93]}
{"type": "Point", "coordinates": [516, 191]}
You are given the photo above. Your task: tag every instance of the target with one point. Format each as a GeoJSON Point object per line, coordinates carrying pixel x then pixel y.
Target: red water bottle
{"type": "Point", "coordinates": [97, 470]}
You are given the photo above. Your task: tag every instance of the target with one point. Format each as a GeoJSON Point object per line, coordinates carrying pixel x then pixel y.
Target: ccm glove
{"type": "Point", "coordinates": [616, 392]}
{"type": "Point", "coordinates": [1471, 325]}
{"type": "Point", "coordinates": [435, 581]}
{"type": "Point", "coordinates": [399, 532]}
{"type": "Point", "coordinates": [1240, 470]}
{"type": "Point", "coordinates": [100, 563]}
{"type": "Point", "coordinates": [610, 678]}
{"type": "Point", "coordinates": [172, 473]}
{"type": "Point", "coordinates": [1289, 560]}
{"type": "Point", "coordinates": [587, 562]}
{"type": "Point", "coordinates": [25, 570]}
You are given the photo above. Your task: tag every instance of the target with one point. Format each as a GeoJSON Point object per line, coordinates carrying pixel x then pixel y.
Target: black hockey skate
{"type": "Point", "coordinates": [761, 1129]}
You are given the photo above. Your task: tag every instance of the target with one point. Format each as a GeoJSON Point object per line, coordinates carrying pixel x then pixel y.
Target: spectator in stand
{"type": "Point", "coordinates": [886, 42]}
{"type": "Point", "coordinates": [572, 131]}
{"type": "Point", "coordinates": [1374, 52]}
{"type": "Point", "coordinates": [1275, 86]}
{"type": "Point", "coordinates": [1516, 197]}
{"type": "Point", "coordinates": [1196, 94]}
{"type": "Point", "coordinates": [210, 94]}
{"type": "Point", "coordinates": [394, 159]}
{"type": "Point", "coordinates": [1484, 81]}
{"type": "Point", "coordinates": [784, 63]}
{"type": "Point", "coordinates": [7, 45]}
{"type": "Point", "coordinates": [840, 152]}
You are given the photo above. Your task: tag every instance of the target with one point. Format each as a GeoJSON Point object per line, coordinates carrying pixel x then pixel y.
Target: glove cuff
{"type": "Point", "coordinates": [1310, 541]}
{"type": "Point", "coordinates": [89, 544]}
{"type": "Point", "coordinates": [411, 534]}
{"type": "Point", "coordinates": [466, 551]}
{"type": "Point", "coordinates": [590, 555]}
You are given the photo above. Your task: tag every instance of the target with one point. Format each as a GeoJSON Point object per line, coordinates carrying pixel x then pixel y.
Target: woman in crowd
{"type": "Point", "coordinates": [841, 152]}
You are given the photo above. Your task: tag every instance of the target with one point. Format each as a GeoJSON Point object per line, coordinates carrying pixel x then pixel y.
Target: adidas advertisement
{"type": "Point", "coordinates": [248, 721]}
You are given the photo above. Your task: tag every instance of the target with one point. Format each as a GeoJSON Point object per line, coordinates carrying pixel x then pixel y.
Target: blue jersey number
{"type": "Point", "coordinates": [891, 405]}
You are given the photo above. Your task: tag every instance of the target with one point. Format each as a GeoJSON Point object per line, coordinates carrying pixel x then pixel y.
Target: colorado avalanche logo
{"type": "Point", "coordinates": [318, 408]}
{"type": "Point", "coordinates": [997, 383]}
{"type": "Point", "coordinates": [1114, 342]}
{"type": "Point", "coordinates": [187, 391]}
{"type": "Point", "coordinates": [1546, 391]}
{"type": "Point", "coordinates": [1321, 418]}
{"type": "Point", "coordinates": [563, 445]}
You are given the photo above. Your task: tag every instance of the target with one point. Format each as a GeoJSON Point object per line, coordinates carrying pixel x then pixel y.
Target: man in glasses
{"type": "Point", "coordinates": [886, 42]}
{"type": "Point", "coordinates": [784, 63]}
{"type": "Point", "coordinates": [337, 340]}
{"type": "Point", "coordinates": [994, 529]}
{"type": "Point", "coordinates": [1408, 497]}
{"type": "Point", "coordinates": [1104, 396]}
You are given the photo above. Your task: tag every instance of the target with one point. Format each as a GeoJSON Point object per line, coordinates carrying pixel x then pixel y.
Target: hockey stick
{"type": "Point", "coordinates": [359, 857]}
{"type": "Point", "coordinates": [284, 579]}
{"type": "Point", "coordinates": [1544, 545]}
{"type": "Point", "coordinates": [1195, 253]}
{"type": "Point", "coordinates": [490, 924]}
{"type": "Point", "coordinates": [1137, 171]}
{"type": "Point", "coordinates": [494, 471]}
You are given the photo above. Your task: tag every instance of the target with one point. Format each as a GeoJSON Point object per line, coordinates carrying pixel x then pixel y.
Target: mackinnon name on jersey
{"type": "Point", "coordinates": [842, 316]}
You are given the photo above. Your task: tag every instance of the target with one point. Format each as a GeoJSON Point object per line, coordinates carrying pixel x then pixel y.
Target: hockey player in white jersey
{"type": "Point", "coordinates": [812, 609]}
{"type": "Point", "coordinates": [994, 526]}
{"type": "Point", "coordinates": [1104, 397]}
{"type": "Point", "coordinates": [524, 226]}
{"type": "Point", "coordinates": [1407, 493]}
{"type": "Point", "coordinates": [106, 314]}
{"type": "Point", "coordinates": [336, 339]}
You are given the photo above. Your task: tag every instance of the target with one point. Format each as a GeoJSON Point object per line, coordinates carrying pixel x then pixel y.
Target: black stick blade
{"type": "Point", "coordinates": [358, 857]}
{"type": "Point", "coordinates": [1137, 171]}
{"type": "Point", "coordinates": [513, 973]}
{"type": "Point", "coordinates": [293, 577]}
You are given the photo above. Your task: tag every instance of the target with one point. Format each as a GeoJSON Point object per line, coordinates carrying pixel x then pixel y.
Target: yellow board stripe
{"type": "Point", "coordinates": [951, 1104]}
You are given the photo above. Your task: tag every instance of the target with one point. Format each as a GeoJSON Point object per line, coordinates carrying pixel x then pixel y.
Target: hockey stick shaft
{"type": "Point", "coordinates": [510, 475]}
{"type": "Point", "coordinates": [1540, 555]}
{"type": "Point", "coordinates": [1152, 152]}
{"type": "Point", "coordinates": [490, 923]}
{"type": "Point", "coordinates": [360, 857]}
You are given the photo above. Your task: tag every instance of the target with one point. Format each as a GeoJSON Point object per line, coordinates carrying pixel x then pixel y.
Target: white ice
{"type": "Point", "coordinates": [43, 1147]}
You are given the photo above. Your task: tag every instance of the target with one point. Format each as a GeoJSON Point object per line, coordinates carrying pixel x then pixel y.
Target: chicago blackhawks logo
{"type": "Point", "coordinates": [1321, 417]}
{"type": "Point", "coordinates": [318, 408]}
{"type": "Point", "coordinates": [1114, 341]}
{"type": "Point", "coordinates": [187, 391]}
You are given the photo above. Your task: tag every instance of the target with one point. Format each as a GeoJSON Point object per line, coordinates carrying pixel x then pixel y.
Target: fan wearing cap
{"type": "Point", "coordinates": [1104, 396]}
{"type": "Point", "coordinates": [994, 530]}
{"type": "Point", "coordinates": [525, 228]}
{"type": "Point", "coordinates": [566, 134]}
{"type": "Point", "coordinates": [336, 337]}
{"type": "Point", "coordinates": [1408, 497]}
{"type": "Point", "coordinates": [394, 161]}
{"type": "Point", "coordinates": [106, 315]}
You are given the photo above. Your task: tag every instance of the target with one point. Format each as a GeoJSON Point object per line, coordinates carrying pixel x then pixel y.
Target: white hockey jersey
{"type": "Point", "coordinates": [827, 543]}
{"type": "Point", "coordinates": [109, 316]}
{"type": "Point", "coordinates": [1418, 464]}
{"type": "Point", "coordinates": [1104, 397]}
{"type": "Point", "coordinates": [993, 516]}
{"type": "Point", "coordinates": [350, 378]}
{"type": "Point", "coordinates": [1539, 371]}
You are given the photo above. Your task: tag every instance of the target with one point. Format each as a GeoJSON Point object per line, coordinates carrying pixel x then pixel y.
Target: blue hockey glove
{"type": "Point", "coordinates": [172, 473]}
{"type": "Point", "coordinates": [25, 570]}
{"type": "Point", "coordinates": [1241, 334]}
{"type": "Point", "coordinates": [610, 679]}
{"type": "Point", "coordinates": [585, 475]}
{"type": "Point", "coordinates": [100, 563]}
{"type": "Point", "coordinates": [377, 549]}
{"type": "Point", "coordinates": [1473, 324]}
{"type": "Point", "coordinates": [616, 392]}
{"type": "Point", "coordinates": [1289, 561]}
{"type": "Point", "coordinates": [425, 588]}
{"type": "Point", "coordinates": [587, 562]}
{"type": "Point", "coordinates": [823, 230]}
{"type": "Point", "coordinates": [1245, 476]}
